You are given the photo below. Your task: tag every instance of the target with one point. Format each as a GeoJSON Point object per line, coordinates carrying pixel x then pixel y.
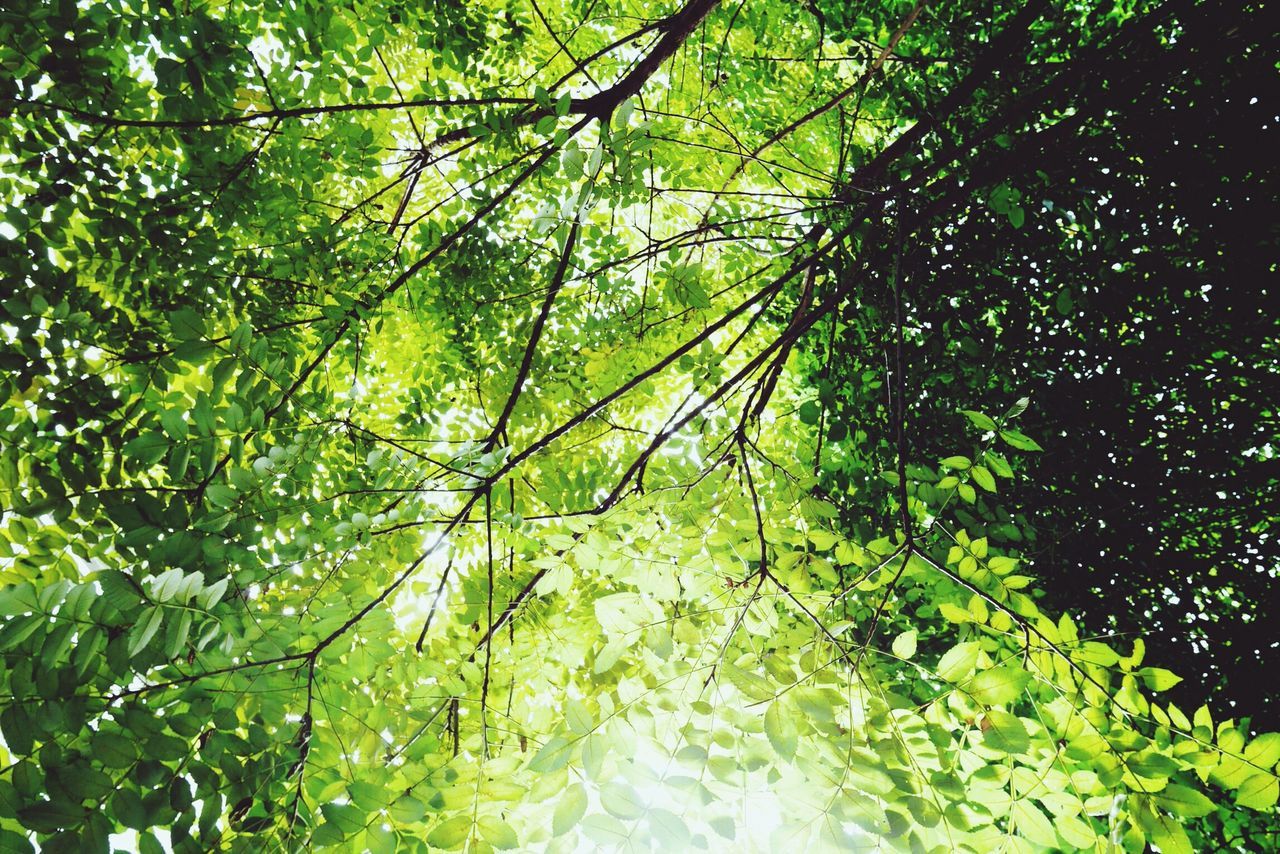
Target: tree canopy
{"type": "Point", "coordinates": [683, 426]}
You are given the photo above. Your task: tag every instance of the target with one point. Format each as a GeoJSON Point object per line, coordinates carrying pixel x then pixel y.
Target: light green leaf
{"type": "Point", "coordinates": [570, 810]}
{"type": "Point", "coordinates": [1004, 732]}
{"type": "Point", "coordinates": [212, 594]}
{"type": "Point", "coordinates": [1031, 823]}
{"type": "Point", "coordinates": [668, 829]}
{"type": "Point", "coordinates": [451, 834]}
{"type": "Point", "coordinates": [1020, 441]}
{"type": "Point", "coordinates": [904, 645]}
{"type": "Point", "coordinates": [346, 817]}
{"type": "Point", "coordinates": [1076, 831]}
{"type": "Point", "coordinates": [781, 730]}
{"type": "Point", "coordinates": [407, 809]}
{"type": "Point", "coordinates": [959, 661]}
{"type": "Point", "coordinates": [578, 717]}
{"type": "Point", "coordinates": [604, 829]}
{"type": "Point", "coordinates": [497, 832]}
{"type": "Point", "coordinates": [621, 801]}
{"type": "Point", "coordinates": [999, 465]}
{"type": "Point", "coordinates": [998, 685]}
{"type": "Point", "coordinates": [553, 755]}
{"type": "Point", "coordinates": [954, 613]}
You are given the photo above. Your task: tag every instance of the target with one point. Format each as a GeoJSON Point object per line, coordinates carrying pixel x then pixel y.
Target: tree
{"type": "Point", "coordinates": [503, 428]}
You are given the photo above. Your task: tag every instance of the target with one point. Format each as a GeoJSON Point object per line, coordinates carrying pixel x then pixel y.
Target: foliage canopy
{"type": "Point", "coordinates": [570, 425]}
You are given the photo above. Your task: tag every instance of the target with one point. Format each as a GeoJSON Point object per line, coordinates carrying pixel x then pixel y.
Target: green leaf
{"type": "Point", "coordinates": [212, 594]}
{"type": "Point", "coordinates": [145, 629]}
{"type": "Point", "coordinates": [12, 842]}
{"type": "Point", "coordinates": [983, 478]}
{"type": "Point", "coordinates": [982, 422]}
{"type": "Point", "coordinates": [147, 449]}
{"type": "Point", "coordinates": [176, 640]}
{"type": "Point", "coordinates": [129, 810]}
{"type": "Point", "coordinates": [114, 750]}
{"type": "Point", "coordinates": [1020, 441]}
{"type": "Point", "coordinates": [119, 590]}
{"type": "Point", "coordinates": [186, 324]}
{"type": "Point", "coordinates": [957, 462]}
{"type": "Point", "coordinates": [998, 464]}
{"type": "Point", "coordinates": [50, 816]}
{"type": "Point", "coordinates": [19, 732]}
{"type": "Point", "coordinates": [174, 423]}
{"type": "Point", "coordinates": [221, 495]}
{"type": "Point", "coordinates": [998, 685]}
{"type": "Point", "coordinates": [348, 818]}
{"type": "Point", "coordinates": [570, 810]}
{"type": "Point", "coordinates": [18, 599]}
{"type": "Point", "coordinates": [19, 630]}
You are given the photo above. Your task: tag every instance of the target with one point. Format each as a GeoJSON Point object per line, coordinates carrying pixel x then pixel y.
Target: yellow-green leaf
{"type": "Point", "coordinates": [1258, 791]}
{"type": "Point", "coordinates": [1158, 679]}
{"type": "Point", "coordinates": [998, 685]}
{"type": "Point", "coordinates": [1264, 751]}
{"type": "Point", "coordinates": [451, 834]}
{"type": "Point", "coordinates": [1184, 801]}
{"type": "Point", "coordinates": [959, 661]}
{"type": "Point", "coordinates": [983, 478]}
{"type": "Point", "coordinates": [497, 832]}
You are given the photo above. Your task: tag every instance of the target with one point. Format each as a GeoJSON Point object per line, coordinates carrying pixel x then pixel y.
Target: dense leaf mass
{"type": "Point", "coordinates": [1135, 305]}
{"type": "Point", "coordinates": [691, 426]}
